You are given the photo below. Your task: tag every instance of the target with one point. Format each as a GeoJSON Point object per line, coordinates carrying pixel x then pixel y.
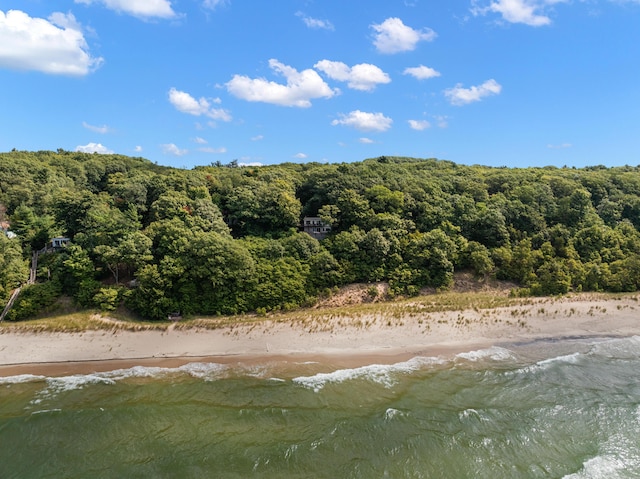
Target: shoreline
{"type": "Point", "coordinates": [339, 341]}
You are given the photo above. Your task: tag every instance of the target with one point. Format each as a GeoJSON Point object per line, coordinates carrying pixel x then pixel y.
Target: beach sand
{"type": "Point", "coordinates": [346, 341]}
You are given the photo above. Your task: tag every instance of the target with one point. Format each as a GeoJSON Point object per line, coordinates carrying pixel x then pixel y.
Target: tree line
{"type": "Point", "coordinates": [226, 239]}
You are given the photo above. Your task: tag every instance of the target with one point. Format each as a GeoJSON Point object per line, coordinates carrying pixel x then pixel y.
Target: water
{"type": "Point", "coordinates": [552, 409]}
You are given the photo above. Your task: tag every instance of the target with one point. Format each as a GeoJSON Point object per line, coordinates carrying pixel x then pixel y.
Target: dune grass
{"type": "Point", "coordinates": [389, 312]}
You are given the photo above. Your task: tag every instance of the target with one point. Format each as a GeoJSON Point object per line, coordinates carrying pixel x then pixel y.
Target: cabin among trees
{"type": "Point", "coordinates": [315, 227]}
{"type": "Point", "coordinates": [59, 242]}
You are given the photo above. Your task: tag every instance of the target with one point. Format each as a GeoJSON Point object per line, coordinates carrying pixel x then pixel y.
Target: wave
{"type": "Point", "coordinates": [565, 358]}
{"type": "Point", "coordinates": [21, 378]}
{"type": "Point", "coordinates": [618, 348]}
{"type": "Point", "coordinates": [384, 374]}
{"type": "Point", "coordinates": [493, 353]}
{"type": "Point", "coordinates": [598, 467]}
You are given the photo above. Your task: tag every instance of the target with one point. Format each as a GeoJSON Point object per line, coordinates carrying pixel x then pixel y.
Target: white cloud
{"type": "Point", "coordinates": [172, 149]}
{"type": "Point", "coordinates": [251, 163]}
{"type": "Point", "coordinates": [366, 141]}
{"type": "Point", "coordinates": [137, 149]}
{"type": "Point", "coordinates": [138, 8]}
{"type": "Point", "coordinates": [55, 46]}
{"type": "Point", "coordinates": [98, 129]}
{"type": "Point", "coordinates": [188, 104]}
{"type": "Point", "coordinates": [213, 4]}
{"type": "Point", "coordinates": [393, 36]}
{"type": "Point", "coordinates": [257, 138]}
{"type": "Point", "coordinates": [300, 156]}
{"type": "Point", "coordinates": [363, 76]}
{"type": "Point", "coordinates": [419, 124]}
{"type": "Point", "coordinates": [300, 89]}
{"type": "Point", "coordinates": [560, 147]}
{"type": "Point", "coordinates": [528, 12]}
{"type": "Point", "coordinates": [94, 148]}
{"type": "Point", "coordinates": [421, 72]}
{"type": "Point", "coordinates": [442, 121]}
{"type": "Point", "coordinates": [200, 141]}
{"type": "Point", "coordinates": [462, 96]}
{"type": "Point", "coordinates": [364, 121]}
{"type": "Point", "coordinates": [315, 22]}
{"type": "Point", "coordinates": [213, 150]}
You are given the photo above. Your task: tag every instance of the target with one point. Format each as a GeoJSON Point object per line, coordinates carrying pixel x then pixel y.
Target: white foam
{"type": "Point", "coordinates": [69, 383]}
{"type": "Point", "coordinates": [21, 378]}
{"type": "Point", "coordinates": [567, 358]}
{"type": "Point", "coordinates": [494, 353]}
{"type": "Point", "coordinates": [379, 373]}
{"type": "Point", "coordinates": [390, 413]}
{"type": "Point", "coordinates": [600, 467]}
{"type": "Point", "coordinates": [45, 411]}
{"type": "Point", "coordinates": [206, 371]}
{"type": "Point", "coordinates": [135, 372]}
{"type": "Point", "coordinates": [619, 348]}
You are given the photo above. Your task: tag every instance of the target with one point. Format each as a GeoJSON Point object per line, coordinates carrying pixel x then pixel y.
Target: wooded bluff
{"type": "Point", "coordinates": [226, 239]}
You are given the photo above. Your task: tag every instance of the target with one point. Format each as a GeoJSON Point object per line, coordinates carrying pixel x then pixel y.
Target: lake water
{"type": "Point", "coordinates": [552, 409]}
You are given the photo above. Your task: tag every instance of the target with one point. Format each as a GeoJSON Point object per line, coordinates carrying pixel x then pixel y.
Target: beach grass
{"type": "Point", "coordinates": [360, 315]}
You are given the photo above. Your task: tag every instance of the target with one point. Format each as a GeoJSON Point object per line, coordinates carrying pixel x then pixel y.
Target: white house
{"type": "Point", "coordinates": [315, 227]}
{"type": "Point", "coordinates": [59, 242]}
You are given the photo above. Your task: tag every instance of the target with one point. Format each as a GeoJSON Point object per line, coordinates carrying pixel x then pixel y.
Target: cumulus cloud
{"type": "Point", "coordinates": [421, 72]}
{"type": "Point", "coordinates": [528, 12]}
{"type": "Point", "coordinates": [55, 46]}
{"type": "Point", "coordinates": [462, 96]}
{"type": "Point", "coordinates": [364, 76]}
{"type": "Point", "coordinates": [300, 156]}
{"type": "Point", "coordinates": [366, 141]}
{"type": "Point", "coordinates": [213, 150]}
{"type": "Point", "coordinates": [137, 149]}
{"type": "Point", "coordinates": [364, 121]}
{"type": "Point", "coordinates": [185, 103]}
{"type": "Point", "coordinates": [172, 149]}
{"type": "Point", "coordinates": [315, 23]}
{"type": "Point", "coordinates": [138, 8]}
{"type": "Point", "coordinates": [300, 89]}
{"type": "Point", "coordinates": [98, 129]}
{"type": "Point", "coordinates": [250, 163]}
{"type": "Point", "coordinates": [94, 148]}
{"type": "Point", "coordinates": [419, 124]}
{"type": "Point", "coordinates": [393, 36]}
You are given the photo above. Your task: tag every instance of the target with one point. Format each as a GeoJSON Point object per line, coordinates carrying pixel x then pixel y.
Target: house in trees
{"type": "Point", "coordinates": [4, 229]}
{"type": "Point", "coordinates": [59, 242]}
{"type": "Point", "coordinates": [314, 226]}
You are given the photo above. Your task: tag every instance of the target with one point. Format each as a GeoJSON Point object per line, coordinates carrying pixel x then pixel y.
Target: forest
{"type": "Point", "coordinates": [227, 239]}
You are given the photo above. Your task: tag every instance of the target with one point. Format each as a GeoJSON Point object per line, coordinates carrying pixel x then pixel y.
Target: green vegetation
{"type": "Point", "coordinates": [224, 240]}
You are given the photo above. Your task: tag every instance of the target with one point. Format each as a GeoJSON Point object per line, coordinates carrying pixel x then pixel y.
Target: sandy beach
{"type": "Point", "coordinates": [347, 341]}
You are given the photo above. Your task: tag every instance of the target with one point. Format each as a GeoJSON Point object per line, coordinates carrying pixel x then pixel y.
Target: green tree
{"type": "Point", "coordinates": [13, 269]}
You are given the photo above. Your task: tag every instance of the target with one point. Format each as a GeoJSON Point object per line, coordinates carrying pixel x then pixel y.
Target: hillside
{"type": "Point", "coordinates": [224, 239]}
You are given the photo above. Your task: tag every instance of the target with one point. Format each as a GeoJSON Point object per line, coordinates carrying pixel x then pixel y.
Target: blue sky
{"type": "Point", "coordinates": [191, 82]}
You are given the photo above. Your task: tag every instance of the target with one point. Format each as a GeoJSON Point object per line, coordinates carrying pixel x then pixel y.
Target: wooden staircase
{"type": "Point", "coordinates": [16, 292]}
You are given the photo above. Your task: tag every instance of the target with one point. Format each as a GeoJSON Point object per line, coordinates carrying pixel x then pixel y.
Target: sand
{"type": "Point", "coordinates": [347, 341]}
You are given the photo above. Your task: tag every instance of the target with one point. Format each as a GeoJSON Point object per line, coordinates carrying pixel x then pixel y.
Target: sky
{"type": "Point", "coordinates": [184, 83]}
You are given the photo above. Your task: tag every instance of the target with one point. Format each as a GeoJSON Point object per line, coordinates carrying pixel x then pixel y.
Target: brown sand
{"type": "Point", "coordinates": [346, 342]}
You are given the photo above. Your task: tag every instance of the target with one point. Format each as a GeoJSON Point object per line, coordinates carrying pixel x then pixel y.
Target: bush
{"type": "Point", "coordinates": [107, 298]}
{"type": "Point", "coordinates": [33, 300]}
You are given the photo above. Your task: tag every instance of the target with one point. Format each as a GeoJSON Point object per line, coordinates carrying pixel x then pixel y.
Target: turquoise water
{"type": "Point", "coordinates": [552, 409]}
